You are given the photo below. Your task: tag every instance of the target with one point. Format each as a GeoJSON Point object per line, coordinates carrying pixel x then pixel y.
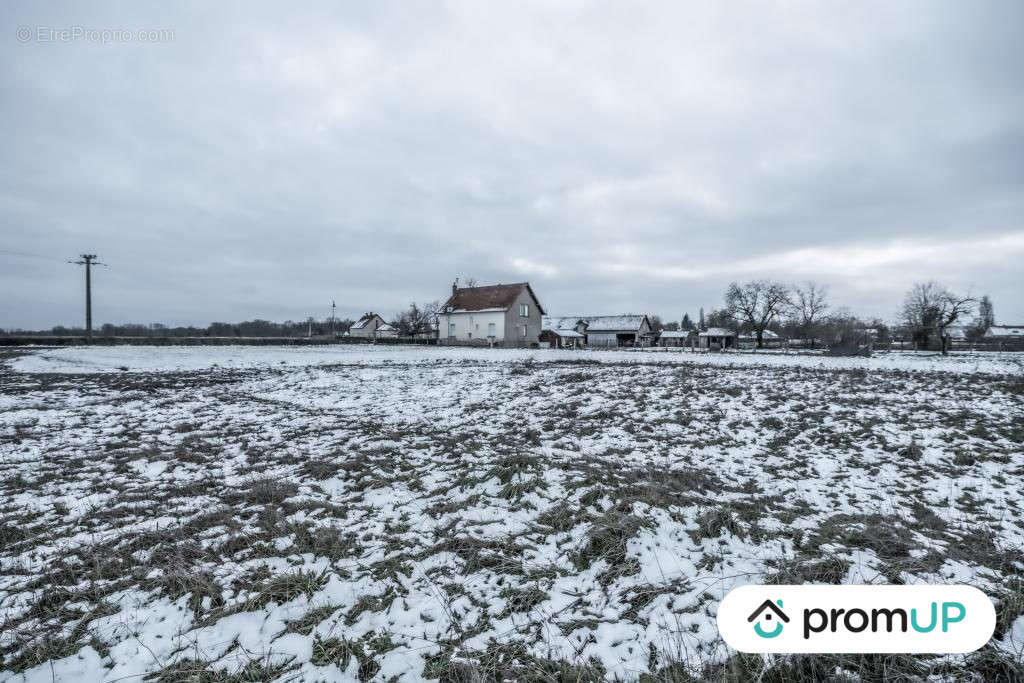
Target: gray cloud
{"type": "Point", "coordinates": [264, 162]}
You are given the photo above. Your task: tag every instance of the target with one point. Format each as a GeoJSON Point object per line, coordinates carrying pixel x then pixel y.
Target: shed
{"type": "Point", "coordinates": [717, 338]}
{"type": "Point", "coordinates": [674, 337]}
{"type": "Point", "coordinates": [563, 332]}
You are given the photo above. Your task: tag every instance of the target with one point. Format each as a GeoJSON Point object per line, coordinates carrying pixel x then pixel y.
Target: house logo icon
{"type": "Point", "coordinates": [767, 612]}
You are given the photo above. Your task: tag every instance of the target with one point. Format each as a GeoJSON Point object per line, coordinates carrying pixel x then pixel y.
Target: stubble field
{"type": "Point", "coordinates": [259, 514]}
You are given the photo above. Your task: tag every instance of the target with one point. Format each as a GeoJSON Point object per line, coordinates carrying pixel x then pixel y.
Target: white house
{"type": "Point", "coordinates": [367, 326]}
{"type": "Point", "coordinates": [493, 315]}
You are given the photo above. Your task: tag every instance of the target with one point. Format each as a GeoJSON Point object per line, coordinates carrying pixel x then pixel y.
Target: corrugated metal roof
{"type": "Point", "coordinates": [559, 323]}
{"type": "Point", "coordinates": [601, 323]}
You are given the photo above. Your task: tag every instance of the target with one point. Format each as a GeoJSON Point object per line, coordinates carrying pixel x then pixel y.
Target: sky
{"type": "Point", "coordinates": [231, 161]}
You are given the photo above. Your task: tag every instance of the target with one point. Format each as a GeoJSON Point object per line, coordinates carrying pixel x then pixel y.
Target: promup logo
{"type": "Point", "coordinates": [764, 613]}
{"type": "Point", "coordinates": [863, 619]}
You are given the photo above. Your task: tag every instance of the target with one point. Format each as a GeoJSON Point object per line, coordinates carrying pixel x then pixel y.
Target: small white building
{"type": "Point", "coordinates": [367, 326]}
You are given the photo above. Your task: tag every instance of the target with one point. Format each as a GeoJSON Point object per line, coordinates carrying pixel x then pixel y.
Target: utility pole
{"type": "Point", "coordinates": [332, 318]}
{"type": "Point", "coordinates": [88, 260]}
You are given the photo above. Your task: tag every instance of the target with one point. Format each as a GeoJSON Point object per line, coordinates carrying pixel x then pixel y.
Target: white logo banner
{"type": "Point", "coordinates": [856, 619]}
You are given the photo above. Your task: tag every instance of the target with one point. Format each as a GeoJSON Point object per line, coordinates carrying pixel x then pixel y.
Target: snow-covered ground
{"type": "Point", "coordinates": [185, 358]}
{"type": "Point", "coordinates": [374, 512]}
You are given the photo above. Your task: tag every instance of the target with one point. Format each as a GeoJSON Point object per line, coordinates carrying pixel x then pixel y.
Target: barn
{"type": "Point", "coordinates": [609, 331]}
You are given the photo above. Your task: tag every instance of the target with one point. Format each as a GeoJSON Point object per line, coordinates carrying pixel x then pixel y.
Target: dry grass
{"type": "Point", "coordinates": [223, 494]}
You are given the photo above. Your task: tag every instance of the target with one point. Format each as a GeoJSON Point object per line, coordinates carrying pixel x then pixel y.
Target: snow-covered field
{"type": "Point", "coordinates": [184, 358]}
{"type": "Point", "coordinates": [257, 513]}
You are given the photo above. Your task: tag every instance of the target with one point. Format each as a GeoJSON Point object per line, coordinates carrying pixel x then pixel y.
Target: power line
{"type": "Point", "coordinates": [88, 260]}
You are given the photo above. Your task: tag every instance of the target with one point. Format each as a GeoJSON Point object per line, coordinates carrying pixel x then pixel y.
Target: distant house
{"type": "Point", "coordinates": [497, 315]}
{"type": "Point", "coordinates": [768, 337]}
{"type": "Point", "coordinates": [563, 333]}
{"type": "Point", "coordinates": [717, 338]}
{"type": "Point", "coordinates": [367, 326]}
{"type": "Point", "coordinates": [957, 333]}
{"type": "Point", "coordinates": [605, 331]}
{"type": "Point", "coordinates": [387, 330]}
{"type": "Point", "coordinates": [1005, 333]}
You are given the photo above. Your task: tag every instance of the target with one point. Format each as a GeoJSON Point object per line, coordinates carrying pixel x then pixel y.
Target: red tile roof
{"type": "Point", "coordinates": [488, 297]}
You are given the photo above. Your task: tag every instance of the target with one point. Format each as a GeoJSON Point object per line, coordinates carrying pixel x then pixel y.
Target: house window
{"type": "Point", "coordinates": [522, 330]}
{"type": "Point", "coordinates": [490, 330]}
{"type": "Point", "coordinates": [451, 330]}
{"type": "Point", "coordinates": [524, 311]}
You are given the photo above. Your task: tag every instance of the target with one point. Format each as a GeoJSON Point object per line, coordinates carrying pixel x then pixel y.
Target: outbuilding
{"type": "Point", "coordinates": [675, 337]}
{"type": "Point", "coordinates": [563, 332]}
{"type": "Point", "coordinates": [609, 331]}
{"type": "Point", "coordinates": [717, 338]}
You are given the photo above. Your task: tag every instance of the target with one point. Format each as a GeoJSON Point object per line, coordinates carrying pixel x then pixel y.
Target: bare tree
{"type": "Point", "coordinates": [470, 282]}
{"type": "Point", "coordinates": [716, 318]}
{"type": "Point", "coordinates": [929, 307]}
{"type": "Point", "coordinates": [985, 319]}
{"type": "Point", "coordinates": [416, 320]}
{"type": "Point", "coordinates": [656, 324]}
{"type": "Point", "coordinates": [954, 307]}
{"type": "Point", "coordinates": [756, 304]}
{"type": "Point", "coordinates": [808, 303]}
{"type": "Point", "coordinates": [921, 311]}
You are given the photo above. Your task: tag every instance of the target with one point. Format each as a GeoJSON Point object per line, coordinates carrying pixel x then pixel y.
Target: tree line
{"type": "Point", "coordinates": [803, 312]}
{"type": "Point", "coordinates": [415, 321]}
{"type": "Point", "coordinates": [248, 328]}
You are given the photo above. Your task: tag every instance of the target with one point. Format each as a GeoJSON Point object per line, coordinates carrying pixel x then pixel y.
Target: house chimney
{"type": "Point", "coordinates": [455, 286]}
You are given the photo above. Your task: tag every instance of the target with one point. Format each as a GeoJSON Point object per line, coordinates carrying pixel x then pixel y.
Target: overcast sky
{"type": "Point", "coordinates": [622, 157]}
